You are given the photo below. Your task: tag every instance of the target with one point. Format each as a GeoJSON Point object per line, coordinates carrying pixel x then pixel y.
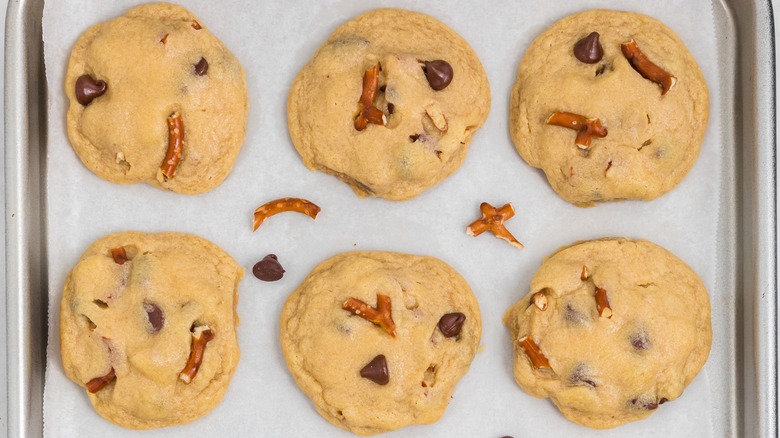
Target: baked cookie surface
{"type": "Point", "coordinates": [431, 109]}
{"type": "Point", "coordinates": [334, 353]}
{"type": "Point", "coordinates": [128, 331]}
{"type": "Point", "coordinates": [126, 77]}
{"type": "Point", "coordinates": [611, 329]}
{"type": "Point", "coordinates": [652, 139]}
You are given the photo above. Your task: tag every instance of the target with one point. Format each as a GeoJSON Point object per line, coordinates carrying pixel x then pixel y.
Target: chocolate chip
{"type": "Point", "coordinates": [202, 67]}
{"type": "Point", "coordinates": [580, 375]}
{"type": "Point", "coordinates": [639, 341]}
{"type": "Point", "coordinates": [155, 316]}
{"type": "Point", "coordinates": [268, 269]}
{"type": "Point", "coordinates": [88, 89]}
{"type": "Point", "coordinates": [415, 137]}
{"type": "Point", "coordinates": [439, 74]}
{"type": "Point", "coordinates": [451, 324]}
{"type": "Point", "coordinates": [588, 49]}
{"type": "Point", "coordinates": [390, 108]}
{"type": "Point", "coordinates": [376, 370]}
{"type": "Point", "coordinates": [663, 400]}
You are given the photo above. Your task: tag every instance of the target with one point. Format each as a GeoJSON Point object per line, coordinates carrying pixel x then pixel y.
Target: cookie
{"type": "Point", "coordinates": [147, 326]}
{"type": "Point", "coordinates": [156, 98]}
{"type": "Point", "coordinates": [389, 104]}
{"type": "Point", "coordinates": [611, 329]}
{"type": "Point", "coordinates": [584, 111]}
{"type": "Point", "coordinates": [378, 340]}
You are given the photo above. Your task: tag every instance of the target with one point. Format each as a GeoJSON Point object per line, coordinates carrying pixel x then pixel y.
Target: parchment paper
{"type": "Point", "coordinates": [273, 40]}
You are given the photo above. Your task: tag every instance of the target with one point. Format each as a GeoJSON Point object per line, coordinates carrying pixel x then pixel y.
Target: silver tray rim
{"type": "Point", "coordinates": [756, 222]}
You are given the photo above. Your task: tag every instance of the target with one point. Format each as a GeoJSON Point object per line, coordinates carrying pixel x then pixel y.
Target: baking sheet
{"type": "Point", "coordinates": [267, 38]}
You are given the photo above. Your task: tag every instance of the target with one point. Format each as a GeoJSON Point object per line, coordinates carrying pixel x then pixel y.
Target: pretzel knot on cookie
{"type": "Point", "coordinates": [493, 220]}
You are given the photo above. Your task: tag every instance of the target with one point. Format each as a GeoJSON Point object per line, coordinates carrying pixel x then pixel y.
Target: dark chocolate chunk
{"type": "Point", "coordinates": [268, 269]}
{"type": "Point", "coordinates": [202, 67]}
{"type": "Point", "coordinates": [439, 74]}
{"type": "Point", "coordinates": [88, 89]}
{"type": "Point", "coordinates": [639, 341]}
{"type": "Point", "coordinates": [451, 324]}
{"type": "Point", "coordinates": [588, 49]}
{"type": "Point", "coordinates": [155, 316]}
{"type": "Point", "coordinates": [376, 370]}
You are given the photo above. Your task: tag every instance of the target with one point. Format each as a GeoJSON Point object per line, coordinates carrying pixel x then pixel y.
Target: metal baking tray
{"type": "Point", "coordinates": [748, 218]}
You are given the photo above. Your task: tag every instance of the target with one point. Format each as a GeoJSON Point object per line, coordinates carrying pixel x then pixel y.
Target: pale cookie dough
{"type": "Point", "coordinates": [327, 347]}
{"type": "Point", "coordinates": [427, 132]}
{"type": "Point", "coordinates": [138, 318]}
{"type": "Point", "coordinates": [605, 370]}
{"type": "Point", "coordinates": [157, 60]}
{"type": "Point", "coordinates": [652, 140]}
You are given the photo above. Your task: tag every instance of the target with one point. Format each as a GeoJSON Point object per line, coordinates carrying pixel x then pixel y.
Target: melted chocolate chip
{"type": "Point", "coordinates": [640, 403]}
{"type": "Point", "coordinates": [639, 341]}
{"type": "Point", "coordinates": [415, 137]}
{"type": "Point", "coordinates": [439, 74]}
{"type": "Point", "coordinates": [580, 375]}
{"type": "Point", "coordinates": [87, 89]}
{"type": "Point", "coordinates": [376, 370]}
{"type": "Point", "coordinates": [155, 316]}
{"type": "Point", "coordinates": [573, 315]}
{"type": "Point", "coordinates": [202, 67]}
{"type": "Point", "coordinates": [588, 49]}
{"type": "Point", "coordinates": [268, 269]}
{"type": "Point", "coordinates": [451, 324]}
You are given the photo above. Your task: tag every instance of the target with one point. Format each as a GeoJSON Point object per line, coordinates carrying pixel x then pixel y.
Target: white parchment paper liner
{"type": "Point", "coordinates": [273, 40]}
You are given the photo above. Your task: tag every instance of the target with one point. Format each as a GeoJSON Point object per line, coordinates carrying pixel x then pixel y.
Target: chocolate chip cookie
{"type": "Point", "coordinates": [610, 105]}
{"type": "Point", "coordinates": [156, 98]}
{"type": "Point", "coordinates": [611, 329]}
{"type": "Point", "coordinates": [378, 340]}
{"type": "Point", "coordinates": [147, 327]}
{"type": "Point", "coordinates": [389, 104]}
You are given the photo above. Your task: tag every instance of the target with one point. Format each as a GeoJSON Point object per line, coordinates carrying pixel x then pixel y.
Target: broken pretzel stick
{"type": "Point", "coordinates": [586, 128]}
{"type": "Point", "coordinates": [175, 146]}
{"type": "Point", "coordinates": [538, 359]}
{"type": "Point", "coordinates": [602, 303]}
{"type": "Point", "coordinates": [380, 315]}
{"type": "Point", "coordinates": [647, 68]}
{"type": "Point", "coordinates": [367, 112]}
{"type": "Point", "coordinates": [201, 336]}
{"type": "Point", "coordinates": [281, 205]}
